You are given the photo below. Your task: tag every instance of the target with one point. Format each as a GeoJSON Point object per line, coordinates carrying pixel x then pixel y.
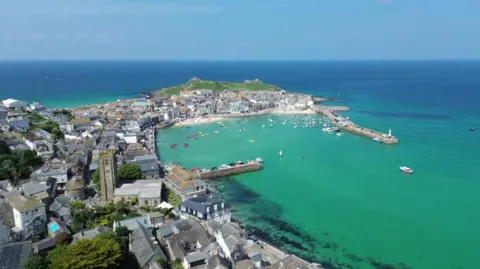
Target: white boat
{"type": "Point", "coordinates": [378, 139]}
{"type": "Point", "coordinates": [339, 134]}
{"type": "Point", "coordinates": [263, 126]}
{"type": "Point", "coordinates": [280, 153]}
{"type": "Point", "coordinates": [271, 125]}
{"type": "Point", "coordinates": [259, 160]}
{"type": "Point", "coordinates": [406, 170]}
{"type": "Point", "coordinates": [216, 132]}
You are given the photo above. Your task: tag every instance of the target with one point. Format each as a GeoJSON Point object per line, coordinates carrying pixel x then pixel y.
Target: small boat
{"type": "Point", "coordinates": [251, 141]}
{"type": "Point", "coordinates": [185, 145]}
{"type": "Point", "coordinates": [187, 137]}
{"type": "Point", "coordinates": [259, 160]}
{"type": "Point", "coordinates": [216, 132]}
{"type": "Point", "coordinates": [378, 139]}
{"type": "Point", "coordinates": [172, 147]}
{"type": "Point", "coordinates": [263, 126]}
{"type": "Point", "coordinates": [271, 125]}
{"type": "Point", "coordinates": [280, 153]}
{"type": "Point", "coordinates": [472, 129]}
{"type": "Point", "coordinates": [339, 134]}
{"type": "Point", "coordinates": [406, 170]}
{"type": "Point", "coordinates": [196, 138]}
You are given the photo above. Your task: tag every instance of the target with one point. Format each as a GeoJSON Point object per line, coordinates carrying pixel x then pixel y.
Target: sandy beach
{"type": "Point", "coordinates": [198, 121]}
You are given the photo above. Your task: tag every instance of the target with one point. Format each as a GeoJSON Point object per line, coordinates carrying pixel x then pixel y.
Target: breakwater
{"type": "Point", "coordinates": [347, 125]}
{"type": "Point", "coordinates": [233, 170]}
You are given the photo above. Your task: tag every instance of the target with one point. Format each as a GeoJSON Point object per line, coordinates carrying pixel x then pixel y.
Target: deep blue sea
{"type": "Point", "coordinates": [348, 193]}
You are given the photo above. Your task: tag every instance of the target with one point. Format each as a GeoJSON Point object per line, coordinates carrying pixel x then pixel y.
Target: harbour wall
{"type": "Point", "coordinates": [353, 128]}
{"type": "Point", "coordinates": [239, 169]}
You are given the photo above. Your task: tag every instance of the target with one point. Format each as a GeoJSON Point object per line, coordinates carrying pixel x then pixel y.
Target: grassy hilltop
{"type": "Point", "coordinates": [200, 84]}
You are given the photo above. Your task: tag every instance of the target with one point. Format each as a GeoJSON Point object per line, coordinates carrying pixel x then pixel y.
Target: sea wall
{"type": "Point", "coordinates": [243, 168]}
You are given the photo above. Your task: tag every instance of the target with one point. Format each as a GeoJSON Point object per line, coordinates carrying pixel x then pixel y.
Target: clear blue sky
{"type": "Point", "coordinates": [240, 29]}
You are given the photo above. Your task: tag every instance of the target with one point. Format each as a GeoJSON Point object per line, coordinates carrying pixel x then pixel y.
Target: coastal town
{"type": "Point", "coordinates": [88, 176]}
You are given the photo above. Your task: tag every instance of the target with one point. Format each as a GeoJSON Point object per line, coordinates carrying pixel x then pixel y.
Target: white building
{"type": "Point", "coordinates": [12, 103]}
{"type": "Point", "coordinates": [29, 215]}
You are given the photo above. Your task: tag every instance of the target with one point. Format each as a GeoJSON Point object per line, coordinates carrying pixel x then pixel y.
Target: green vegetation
{"type": "Point", "coordinates": [163, 263]}
{"type": "Point", "coordinates": [16, 165]}
{"type": "Point", "coordinates": [129, 171]}
{"type": "Point", "coordinates": [87, 218]}
{"type": "Point", "coordinates": [65, 112]}
{"type": "Point", "coordinates": [37, 121]}
{"type": "Point", "coordinates": [177, 264]}
{"type": "Point", "coordinates": [96, 177]}
{"type": "Point", "coordinates": [98, 253]}
{"type": "Point", "coordinates": [37, 262]}
{"type": "Point", "coordinates": [198, 84]}
{"type": "Point", "coordinates": [173, 198]}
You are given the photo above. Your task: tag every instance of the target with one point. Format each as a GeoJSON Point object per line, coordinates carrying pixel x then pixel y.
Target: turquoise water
{"type": "Point", "coordinates": [346, 204]}
{"type": "Point", "coordinates": [347, 197]}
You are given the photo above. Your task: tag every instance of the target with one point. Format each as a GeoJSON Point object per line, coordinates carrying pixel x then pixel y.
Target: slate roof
{"type": "Point", "coordinates": [245, 264]}
{"type": "Point", "coordinates": [165, 230]}
{"type": "Point", "coordinates": [133, 224]}
{"type": "Point", "coordinates": [200, 203]}
{"type": "Point", "coordinates": [31, 188]}
{"type": "Point", "coordinates": [196, 234]}
{"type": "Point", "coordinates": [89, 234]}
{"type": "Point", "coordinates": [217, 262]}
{"type": "Point", "coordinates": [14, 255]}
{"type": "Point", "coordinates": [228, 229]}
{"type": "Point", "coordinates": [20, 202]}
{"type": "Point", "coordinates": [44, 244]}
{"type": "Point", "coordinates": [183, 224]}
{"type": "Point", "coordinates": [293, 262]}
{"type": "Point", "coordinates": [143, 247]}
{"type": "Point", "coordinates": [196, 256]}
{"type": "Point", "coordinates": [148, 165]}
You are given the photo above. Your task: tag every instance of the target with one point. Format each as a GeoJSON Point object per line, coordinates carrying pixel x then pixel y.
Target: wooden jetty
{"type": "Point", "coordinates": [233, 170]}
{"type": "Point", "coordinates": [347, 125]}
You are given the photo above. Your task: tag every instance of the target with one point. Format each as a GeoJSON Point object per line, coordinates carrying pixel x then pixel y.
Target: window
{"type": "Point", "coordinates": [36, 209]}
{"type": "Point", "coordinates": [146, 202]}
{"type": "Point", "coordinates": [215, 207]}
{"type": "Point", "coordinates": [208, 209]}
{"type": "Point", "coordinates": [223, 205]}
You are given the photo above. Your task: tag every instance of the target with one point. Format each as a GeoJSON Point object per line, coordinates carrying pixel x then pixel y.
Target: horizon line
{"type": "Point", "coordinates": [243, 60]}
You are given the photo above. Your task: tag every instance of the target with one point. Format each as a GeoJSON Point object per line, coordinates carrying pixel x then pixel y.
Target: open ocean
{"type": "Point", "coordinates": [346, 204]}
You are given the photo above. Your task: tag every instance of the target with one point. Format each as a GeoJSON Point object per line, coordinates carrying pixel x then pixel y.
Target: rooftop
{"type": "Point", "coordinates": [14, 255]}
{"type": "Point", "coordinates": [20, 202]}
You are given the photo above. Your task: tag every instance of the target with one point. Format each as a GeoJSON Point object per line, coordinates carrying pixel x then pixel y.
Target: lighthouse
{"type": "Point", "coordinates": [390, 133]}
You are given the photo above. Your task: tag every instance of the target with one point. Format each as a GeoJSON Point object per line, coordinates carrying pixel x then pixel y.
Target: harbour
{"type": "Point", "coordinates": [346, 124]}
{"type": "Point", "coordinates": [230, 169]}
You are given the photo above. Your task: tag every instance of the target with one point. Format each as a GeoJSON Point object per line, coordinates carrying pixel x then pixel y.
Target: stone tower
{"type": "Point", "coordinates": [108, 175]}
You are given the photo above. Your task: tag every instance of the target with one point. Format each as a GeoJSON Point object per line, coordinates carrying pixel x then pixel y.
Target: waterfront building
{"type": "Point", "coordinates": [206, 207]}
{"type": "Point", "coordinates": [184, 183]}
{"type": "Point", "coordinates": [15, 104]}
{"type": "Point", "coordinates": [108, 175]}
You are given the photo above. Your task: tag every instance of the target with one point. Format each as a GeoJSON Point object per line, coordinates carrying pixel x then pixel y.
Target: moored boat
{"type": "Point", "coordinates": [378, 139]}
{"type": "Point", "coordinates": [406, 170]}
{"type": "Point", "coordinates": [185, 145]}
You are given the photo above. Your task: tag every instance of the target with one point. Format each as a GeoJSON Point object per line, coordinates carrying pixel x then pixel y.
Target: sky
{"type": "Point", "coordinates": [239, 30]}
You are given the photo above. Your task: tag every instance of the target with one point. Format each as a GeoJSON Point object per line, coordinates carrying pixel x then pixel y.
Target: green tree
{"type": "Point", "coordinates": [98, 253]}
{"type": "Point", "coordinates": [177, 264]}
{"type": "Point", "coordinates": [4, 148]}
{"type": "Point", "coordinates": [76, 206]}
{"type": "Point", "coordinates": [163, 263]}
{"type": "Point", "coordinates": [37, 262]}
{"type": "Point", "coordinates": [96, 177]}
{"type": "Point", "coordinates": [129, 171]}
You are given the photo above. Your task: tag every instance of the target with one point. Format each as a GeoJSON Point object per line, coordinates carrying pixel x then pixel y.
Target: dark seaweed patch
{"type": "Point", "coordinates": [263, 221]}
{"type": "Point", "coordinates": [386, 114]}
